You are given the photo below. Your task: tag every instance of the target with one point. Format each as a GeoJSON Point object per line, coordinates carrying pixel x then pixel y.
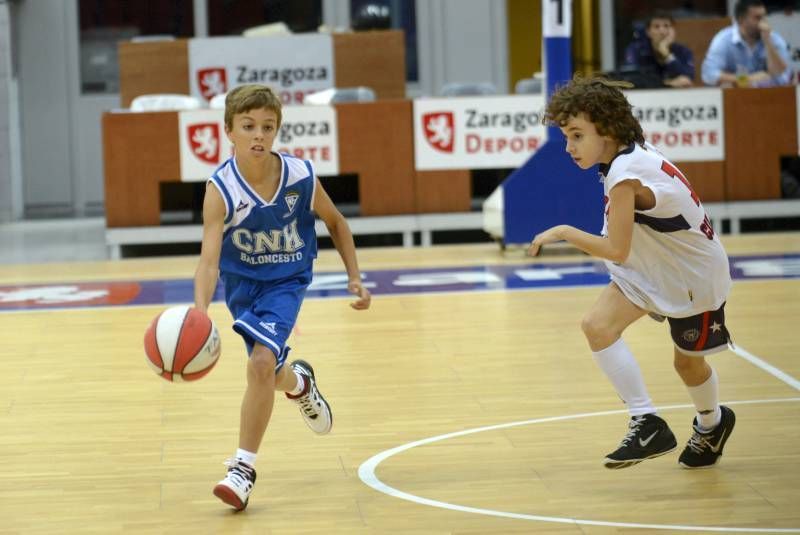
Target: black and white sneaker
{"type": "Point", "coordinates": [235, 489]}
{"type": "Point", "coordinates": [315, 410]}
{"type": "Point", "coordinates": [648, 436]}
{"type": "Point", "coordinates": [705, 448]}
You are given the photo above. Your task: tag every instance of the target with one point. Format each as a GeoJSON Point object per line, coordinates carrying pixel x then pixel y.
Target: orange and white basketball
{"type": "Point", "coordinates": [182, 344]}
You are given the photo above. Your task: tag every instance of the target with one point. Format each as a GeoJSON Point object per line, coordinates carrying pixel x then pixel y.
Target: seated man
{"type": "Point", "coordinates": [748, 53]}
{"type": "Point", "coordinates": [660, 55]}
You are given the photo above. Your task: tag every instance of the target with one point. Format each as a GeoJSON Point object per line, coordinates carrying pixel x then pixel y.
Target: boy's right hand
{"type": "Point", "coordinates": [550, 235]}
{"type": "Point", "coordinates": [364, 297]}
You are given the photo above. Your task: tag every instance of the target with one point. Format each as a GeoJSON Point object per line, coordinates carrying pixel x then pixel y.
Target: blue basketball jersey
{"type": "Point", "coordinates": [268, 239]}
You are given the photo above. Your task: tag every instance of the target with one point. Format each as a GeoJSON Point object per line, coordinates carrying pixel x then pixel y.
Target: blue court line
{"type": "Point", "coordinates": [529, 276]}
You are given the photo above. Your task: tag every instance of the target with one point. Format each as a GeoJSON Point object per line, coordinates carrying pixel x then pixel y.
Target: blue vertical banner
{"type": "Point", "coordinates": [557, 34]}
{"type": "Point", "coordinates": [549, 189]}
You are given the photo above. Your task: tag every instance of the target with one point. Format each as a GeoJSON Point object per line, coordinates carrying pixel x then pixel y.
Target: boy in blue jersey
{"type": "Point", "coordinates": [258, 235]}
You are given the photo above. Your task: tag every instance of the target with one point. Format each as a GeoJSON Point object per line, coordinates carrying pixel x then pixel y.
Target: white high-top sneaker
{"type": "Point", "coordinates": [315, 410]}
{"type": "Point", "coordinates": [235, 489]}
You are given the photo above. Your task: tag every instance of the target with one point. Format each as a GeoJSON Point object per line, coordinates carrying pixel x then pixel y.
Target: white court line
{"type": "Point", "coordinates": [766, 366]}
{"type": "Point", "coordinates": [366, 472]}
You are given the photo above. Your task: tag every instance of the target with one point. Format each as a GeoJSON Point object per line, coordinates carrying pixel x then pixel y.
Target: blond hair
{"type": "Point", "coordinates": [251, 97]}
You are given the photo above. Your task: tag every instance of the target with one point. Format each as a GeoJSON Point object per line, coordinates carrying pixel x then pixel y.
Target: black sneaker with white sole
{"type": "Point", "coordinates": [315, 410]}
{"type": "Point", "coordinates": [705, 448]}
{"type": "Point", "coordinates": [648, 436]}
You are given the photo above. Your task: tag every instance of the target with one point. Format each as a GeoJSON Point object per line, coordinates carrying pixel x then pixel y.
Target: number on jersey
{"type": "Point", "coordinates": [671, 170]}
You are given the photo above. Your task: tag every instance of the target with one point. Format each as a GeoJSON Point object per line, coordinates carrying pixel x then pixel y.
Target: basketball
{"type": "Point", "coordinates": [182, 344]}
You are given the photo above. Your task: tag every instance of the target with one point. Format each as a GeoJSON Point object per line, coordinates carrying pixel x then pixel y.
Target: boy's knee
{"type": "Point", "coordinates": [263, 362]}
{"type": "Point", "coordinates": [685, 364]}
{"type": "Point", "coordinates": [594, 327]}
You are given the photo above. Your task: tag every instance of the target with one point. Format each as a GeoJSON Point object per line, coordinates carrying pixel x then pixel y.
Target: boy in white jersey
{"type": "Point", "coordinates": [258, 236]}
{"type": "Point", "coordinates": [664, 259]}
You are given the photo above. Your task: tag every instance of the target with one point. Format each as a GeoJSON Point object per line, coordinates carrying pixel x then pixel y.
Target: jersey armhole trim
{"type": "Point", "coordinates": [225, 195]}
{"type": "Point", "coordinates": [313, 182]}
{"type": "Point", "coordinates": [652, 190]}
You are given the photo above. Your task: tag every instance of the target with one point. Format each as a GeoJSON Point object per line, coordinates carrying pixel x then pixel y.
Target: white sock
{"type": "Point", "coordinates": [621, 368]}
{"type": "Point", "coordinates": [247, 456]}
{"type": "Point", "coordinates": [706, 400]}
{"type": "Point", "coordinates": [301, 385]}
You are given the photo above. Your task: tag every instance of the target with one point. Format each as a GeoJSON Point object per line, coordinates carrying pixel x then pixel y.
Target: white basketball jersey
{"type": "Point", "coordinates": [677, 266]}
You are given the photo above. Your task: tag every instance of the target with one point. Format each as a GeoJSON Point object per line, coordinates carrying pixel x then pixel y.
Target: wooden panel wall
{"type": "Point", "coordinates": [375, 141]}
{"type": "Point", "coordinates": [443, 191]}
{"type": "Point", "coordinates": [375, 59]}
{"type": "Point", "coordinates": [140, 150]}
{"type": "Point", "coordinates": [760, 127]}
{"type": "Point", "coordinates": [157, 67]}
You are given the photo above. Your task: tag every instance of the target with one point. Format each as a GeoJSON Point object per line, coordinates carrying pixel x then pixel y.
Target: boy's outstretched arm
{"type": "Point", "coordinates": [207, 272]}
{"type": "Point", "coordinates": [343, 241]}
{"type": "Point", "coordinates": [616, 246]}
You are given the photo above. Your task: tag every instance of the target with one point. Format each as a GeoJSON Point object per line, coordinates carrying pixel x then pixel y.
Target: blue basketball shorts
{"type": "Point", "coordinates": [265, 312]}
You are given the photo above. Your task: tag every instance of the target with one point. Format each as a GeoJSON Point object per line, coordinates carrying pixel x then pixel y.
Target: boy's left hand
{"type": "Point", "coordinates": [364, 297]}
{"type": "Point", "coordinates": [550, 235]}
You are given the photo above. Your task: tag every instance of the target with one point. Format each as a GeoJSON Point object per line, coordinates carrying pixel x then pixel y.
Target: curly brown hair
{"type": "Point", "coordinates": [602, 102]}
{"type": "Point", "coordinates": [251, 97]}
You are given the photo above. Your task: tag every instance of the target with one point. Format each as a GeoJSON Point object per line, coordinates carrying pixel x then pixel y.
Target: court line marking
{"type": "Point", "coordinates": [188, 300]}
{"type": "Point", "coordinates": [407, 295]}
{"type": "Point", "coordinates": [766, 366]}
{"type": "Point", "coordinates": [366, 472]}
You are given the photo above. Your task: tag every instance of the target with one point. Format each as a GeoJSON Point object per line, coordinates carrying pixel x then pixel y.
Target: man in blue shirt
{"type": "Point", "coordinates": [658, 54]}
{"type": "Point", "coordinates": [748, 53]}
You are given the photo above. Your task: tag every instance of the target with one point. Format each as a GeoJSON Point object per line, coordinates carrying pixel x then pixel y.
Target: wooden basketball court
{"type": "Point", "coordinates": [93, 442]}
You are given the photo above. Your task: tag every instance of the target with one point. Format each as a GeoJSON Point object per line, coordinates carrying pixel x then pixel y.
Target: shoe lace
{"type": "Point", "coordinates": [239, 473]}
{"type": "Point", "coordinates": [307, 404]}
{"type": "Point", "coordinates": [633, 428]}
{"type": "Point", "coordinates": [697, 443]}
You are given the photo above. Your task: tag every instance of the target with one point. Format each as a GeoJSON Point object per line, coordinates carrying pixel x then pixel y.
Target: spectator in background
{"type": "Point", "coordinates": [657, 53]}
{"type": "Point", "coordinates": [748, 53]}
{"type": "Point", "coordinates": [790, 178]}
